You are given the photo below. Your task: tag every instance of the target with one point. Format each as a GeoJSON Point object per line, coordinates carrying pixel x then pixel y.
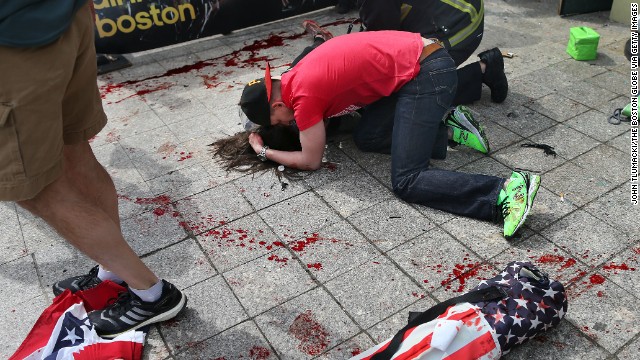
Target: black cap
{"type": "Point", "coordinates": [255, 98]}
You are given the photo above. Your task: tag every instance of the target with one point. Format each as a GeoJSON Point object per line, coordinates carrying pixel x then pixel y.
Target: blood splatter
{"type": "Point", "coordinates": [316, 266]}
{"type": "Point", "coordinates": [596, 279]}
{"type": "Point", "coordinates": [615, 267]}
{"type": "Point", "coordinates": [461, 273]}
{"type": "Point", "coordinates": [356, 351]}
{"type": "Point", "coordinates": [276, 258]}
{"type": "Point", "coordinates": [314, 339]}
{"type": "Point", "coordinates": [259, 353]}
{"type": "Point", "coordinates": [301, 245]}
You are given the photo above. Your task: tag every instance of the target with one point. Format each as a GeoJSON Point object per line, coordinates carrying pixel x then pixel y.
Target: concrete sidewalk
{"type": "Point", "coordinates": [333, 263]}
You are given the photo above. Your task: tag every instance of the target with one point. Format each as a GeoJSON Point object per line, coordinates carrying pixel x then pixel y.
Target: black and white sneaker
{"type": "Point", "coordinates": [75, 283]}
{"type": "Point", "coordinates": [129, 312]}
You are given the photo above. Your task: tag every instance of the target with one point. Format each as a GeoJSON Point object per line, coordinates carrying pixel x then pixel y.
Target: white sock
{"type": "Point", "coordinates": [105, 275]}
{"type": "Point", "coordinates": [151, 294]}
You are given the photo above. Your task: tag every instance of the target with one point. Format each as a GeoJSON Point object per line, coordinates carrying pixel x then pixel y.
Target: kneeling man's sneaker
{"type": "Point", "coordinates": [516, 200]}
{"type": "Point", "coordinates": [129, 312]}
{"type": "Point", "coordinates": [466, 130]}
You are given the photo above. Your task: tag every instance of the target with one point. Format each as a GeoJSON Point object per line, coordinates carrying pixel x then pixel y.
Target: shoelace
{"type": "Point", "coordinates": [118, 305]}
{"type": "Point", "coordinates": [91, 277]}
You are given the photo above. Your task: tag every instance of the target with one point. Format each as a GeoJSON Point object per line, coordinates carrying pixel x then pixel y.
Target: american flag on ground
{"type": "Point", "coordinates": [63, 331]}
{"type": "Point", "coordinates": [486, 330]}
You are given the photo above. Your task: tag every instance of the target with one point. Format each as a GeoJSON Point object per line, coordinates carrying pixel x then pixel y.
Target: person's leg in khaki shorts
{"type": "Point", "coordinates": [47, 115]}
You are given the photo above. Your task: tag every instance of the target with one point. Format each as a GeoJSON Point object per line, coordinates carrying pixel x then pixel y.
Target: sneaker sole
{"type": "Point", "coordinates": [474, 127]}
{"type": "Point", "coordinates": [531, 194]}
{"type": "Point", "coordinates": [167, 315]}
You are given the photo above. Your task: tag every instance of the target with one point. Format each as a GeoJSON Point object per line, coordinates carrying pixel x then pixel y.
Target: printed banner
{"type": "Point", "coordinates": [127, 26]}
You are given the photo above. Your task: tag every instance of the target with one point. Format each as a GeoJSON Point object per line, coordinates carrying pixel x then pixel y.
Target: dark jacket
{"type": "Point", "coordinates": [459, 24]}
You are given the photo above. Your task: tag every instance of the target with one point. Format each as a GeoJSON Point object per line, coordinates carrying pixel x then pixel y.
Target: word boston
{"type": "Point", "coordinates": [127, 26]}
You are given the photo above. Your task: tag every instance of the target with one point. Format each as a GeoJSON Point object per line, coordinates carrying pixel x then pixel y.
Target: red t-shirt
{"type": "Point", "coordinates": [348, 72]}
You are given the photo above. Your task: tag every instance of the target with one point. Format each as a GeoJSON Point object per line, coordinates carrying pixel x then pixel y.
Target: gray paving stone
{"type": "Point", "coordinates": [154, 347]}
{"type": "Point", "coordinates": [37, 233]}
{"type": "Point", "coordinates": [238, 242]}
{"type": "Point", "coordinates": [133, 124]}
{"type": "Point", "coordinates": [348, 349]}
{"type": "Point", "coordinates": [567, 142]}
{"type": "Point", "coordinates": [117, 163]}
{"type": "Point", "coordinates": [306, 326]}
{"type": "Point", "coordinates": [616, 209]}
{"type": "Point", "coordinates": [265, 189]}
{"type": "Point", "coordinates": [59, 260]}
{"type": "Point", "coordinates": [354, 193]}
{"type": "Point", "coordinates": [631, 351]}
{"type": "Point", "coordinates": [585, 93]}
{"type": "Point", "coordinates": [587, 238]}
{"type": "Point", "coordinates": [484, 238]}
{"type": "Point", "coordinates": [465, 281]}
{"type": "Point", "coordinates": [557, 107]}
{"type": "Point", "coordinates": [119, 103]}
{"type": "Point", "coordinates": [333, 250]}
{"type": "Point", "coordinates": [609, 321]}
{"type": "Point", "coordinates": [578, 70]}
{"type": "Point", "coordinates": [212, 208]}
{"type": "Point", "coordinates": [528, 85]}
{"type": "Point", "coordinates": [606, 162]}
{"type": "Point", "coordinates": [532, 159]}
{"type": "Point", "coordinates": [298, 216]}
{"type": "Point", "coordinates": [433, 268]}
{"type": "Point", "coordinates": [616, 103]}
{"type": "Point", "coordinates": [12, 243]}
{"type": "Point", "coordinates": [612, 81]}
{"type": "Point", "coordinates": [563, 342]}
{"type": "Point", "coordinates": [373, 291]}
{"type": "Point", "coordinates": [211, 309]}
{"type": "Point", "coordinates": [182, 183]}
{"type": "Point", "coordinates": [154, 230]}
{"type": "Point", "coordinates": [499, 136]}
{"type": "Point", "coordinates": [487, 166]}
{"type": "Point", "coordinates": [575, 184]}
{"type": "Point", "coordinates": [183, 264]}
{"type": "Point", "coordinates": [268, 281]}
{"type": "Point", "coordinates": [624, 269]}
{"type": "Point", "coordinates": [19, 319]}
{"type": "Point", "coordinates": [388, 327]}
{"type": "Point", "coordinates": [243, 341]}
{"type": "Point", "coordinates": [158, 143]}
{"type": "Point", "coordinates": [595, 124]}
{"type": "Point", "coordinates": [339, 166]}
{"type": "Point", "coordinates": [378, 165]}
{"type": "Point", "coordinates": [548, 207]}
{"type": "Point", "coordinates": [138, 198]}
{"type": "Point", "coordinates": [195, 127]}
{"type": "Point", "coordinates": [19, 282]}
{"type": "Point", "coordinates": [622, 142]}
{"type": "Point", "coordinates": [557, 263]}
{"type": "Point", "coordinates": [390, 224]}
{"type": "Point", "coordinates": [436, 216]}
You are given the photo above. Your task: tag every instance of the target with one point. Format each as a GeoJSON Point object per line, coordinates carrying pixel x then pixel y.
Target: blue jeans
{"type": "Point", "coordinates": [413, 132]}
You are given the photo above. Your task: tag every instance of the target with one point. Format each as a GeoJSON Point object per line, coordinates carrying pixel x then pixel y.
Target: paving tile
{"type": "Point", "coordinates": [154, 230]}
{"type": "Point", "coordinates": [557, 263]}
{"type": "Point", "coordinates": [298, 216]}
{"type": "Point", "coordinates": [117, 163]}
{"type": "Point", "coordinates": [195, 127]}
{"type": "Point", "coordinates": [373, 291]}
{"type": "Point", "coordinates": [19, 282]}
{"type": "Point", "coordinates": [567, 142]}
{"type": "Point", "coordinates": [606, 162]}
{"type": "Point", "coordinates": [532, 159]}
{"type": "Point", "coordinates": [434, 215]}
{"type": "Point", "coordinates": [610, 320]}
{"type": "Point", "coordinates": [465, 281]}
{"type": "Point", "coordinates": [610, 106]}
{"type": "Point", "coordinates": [487, 166]}
{"type": "Point", "coordinates": [624, 269]}
{"type": "Point", "coordinates": [212, 208]}
{"type": "Point", "coordinates": [563, 342]}
{"type": "Point", "coordinates": [348, 349]}
{"type": "Point", "coordinates": [587, 238]}
{"type": "Point", "coordinates": [354, 193]}
{"type": "Point", "coordinates": [499, 136]}
{"type": "Point", "coordinates": [484, 238]}
{"type": "Point", "coordinates": [306, 326]}
{"type": "Point", "coordinates": [12, 243]}
{"type": "Point", "coordinates": [183, 264]}
{"type": "Point", "coordinates": [612, 81]}
{"type": "Point", "coordinates": [631, 351]}
{"type": "Point", "coordinates": [586, 94]}
{"type": "Point", "coordinates": [595, 124]}
{"type": "Point", "coordinates": [448, 266]}
{"type": "Point", "coordinates": [339, 166]}
{"type": "Point", "coordinates": [58, 261]}
{"type": "Point", "coordinates": [391, 223]}
{"type": "Point", "coordinates": [264, 189]}
{"type": "Point", "coordinates": [548, 208]}
{"type": "Point", "coordinates": [238, 242]}
{"type": "Point", "coordinates": [211, 309]}
{"type": "Point", "coordinates": [268, 281]}
{"type": "Point", "coordinates": [243, 341]}
{"type": "Point", "coordinates": [136, 199]}
{"type": "Point", "coordinates": [333, 250]}
{"type": "Point", "coordinates": [154, 347]}
{"type": "Point", "coordinates": [18, 319]}
{"type": "Point", "coordinates": [575, 184]}
{"type": "Point", "coordinates": [529, 85]}
{"type": "Point", "coordinates": [557, 107]}
{"type": "Point", "coordinates": [578, 69]}
{"type": "Point", "coordinates": [378, 165]}
{"type": "Point", "coordinates": [133, 124]}
{"type": "Point", "coordinates": [119, 103]}
{"type": "Point", "coordinates": [622, 142]}
{"type": "Point", "coordinates": [182, 183]}
{"type": "Point", "coordinates": [616, 209]}
{"type": "Point", "coordinates": [36, 233]}
{"type": "Point", "coordinates": [388, 327]}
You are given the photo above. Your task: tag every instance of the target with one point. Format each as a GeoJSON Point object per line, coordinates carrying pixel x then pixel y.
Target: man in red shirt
{"type": "Point", "coordinates": [369, 70]}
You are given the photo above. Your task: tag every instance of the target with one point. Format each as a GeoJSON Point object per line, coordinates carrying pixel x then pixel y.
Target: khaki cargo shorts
{"type": "Point", "coordinates": [48, 98]}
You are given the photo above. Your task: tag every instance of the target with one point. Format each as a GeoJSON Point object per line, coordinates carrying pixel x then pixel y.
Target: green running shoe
{"type": "Point", "coordinates": [516, 200]}
{"type": "Point", "coordinates": [466, 130]}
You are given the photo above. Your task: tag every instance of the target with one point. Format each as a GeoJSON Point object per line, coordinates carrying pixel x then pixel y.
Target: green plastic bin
{"type": "Point", "coordinates": [583, 43]}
